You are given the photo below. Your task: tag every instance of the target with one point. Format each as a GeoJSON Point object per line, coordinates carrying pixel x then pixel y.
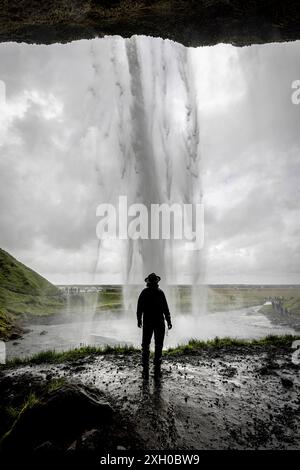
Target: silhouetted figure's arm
{"type": "Point", "coordinates": [166, 311]}
{"type": "Point", "coordinates": [140, 310]}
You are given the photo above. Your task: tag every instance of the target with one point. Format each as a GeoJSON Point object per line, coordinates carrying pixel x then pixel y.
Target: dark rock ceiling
{"type": "Point", "coordinates": [190, 22]}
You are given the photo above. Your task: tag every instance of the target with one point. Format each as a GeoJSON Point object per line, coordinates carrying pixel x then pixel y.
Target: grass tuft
{"type": "Point", "coordinates": [192, 347]}
{"type": "Point", "coordinates": [71, 355]}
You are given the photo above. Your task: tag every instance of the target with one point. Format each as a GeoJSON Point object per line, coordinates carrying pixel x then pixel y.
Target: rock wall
{"type": "Point", "coordinates": [190, 22]}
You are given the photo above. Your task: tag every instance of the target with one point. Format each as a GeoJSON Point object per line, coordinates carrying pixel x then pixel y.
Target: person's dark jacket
{"type": "Point", "coordinates": [152, 306]}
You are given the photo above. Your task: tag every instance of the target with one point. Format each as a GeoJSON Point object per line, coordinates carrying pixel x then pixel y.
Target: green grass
{"type": "Point", "coordinates": [292, 304]}
{"type": "Point", "coordinates": [6, 323]}
{"type": "Point", "coordinates": [18, 278]}
{"type": "Point", "coordinates": [229, 297]}
{"type": "Point", "coordinates": [55, 384]}
{"type": "Point", "coordinates": [13, 413]}
{"type": "Point", "coordinates": [192, 347]}
{"type": "Point", "coordinates": [18, 303]}
{"type": "Point", "coordinates": [71, 355]}
{"type": "Point", "coordinates": [110, 300]}
{"type": "Point", "coordinates": [216, 298]}
{"type": "Point", "coordinates": [23, 292]}
{"type": "Point", "coordinates": [16, 405]}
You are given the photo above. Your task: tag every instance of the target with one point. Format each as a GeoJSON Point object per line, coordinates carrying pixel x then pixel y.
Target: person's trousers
{"type": "Point", "coordinates": [159, 333]}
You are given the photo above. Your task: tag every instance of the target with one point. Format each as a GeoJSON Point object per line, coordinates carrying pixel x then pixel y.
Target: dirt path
{"type": "Point", "coordinates": [236, 398]}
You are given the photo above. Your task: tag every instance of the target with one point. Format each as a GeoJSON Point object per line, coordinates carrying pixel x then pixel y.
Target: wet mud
{"type": "Point", "coordinates": [222, 398]}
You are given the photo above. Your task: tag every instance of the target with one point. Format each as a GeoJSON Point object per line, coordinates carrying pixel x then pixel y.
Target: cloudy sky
{"type": "Point", "coordinates": [60, 134]}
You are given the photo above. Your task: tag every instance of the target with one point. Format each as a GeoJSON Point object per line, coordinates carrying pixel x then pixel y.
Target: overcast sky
{"type": "Point", "coordinates": [250, 150]}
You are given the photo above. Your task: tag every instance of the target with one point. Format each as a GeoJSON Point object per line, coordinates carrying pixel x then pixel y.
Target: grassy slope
{"type": "Point", "coordinates": [6, 323]}
{"type": "Point", "coordinates": [23, 291]}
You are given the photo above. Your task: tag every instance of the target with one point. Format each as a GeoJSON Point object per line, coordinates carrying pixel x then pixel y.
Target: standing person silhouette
{"type": "Point", "coordinates": [152, 311]}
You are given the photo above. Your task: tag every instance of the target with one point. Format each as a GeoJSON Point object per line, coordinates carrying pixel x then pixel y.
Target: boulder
{"type": "Point", "coordinates": [59, 417]}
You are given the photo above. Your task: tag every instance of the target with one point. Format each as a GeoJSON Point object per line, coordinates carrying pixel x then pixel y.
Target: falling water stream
{"type": "Point", "coordinates": [158, 159]}
{"type": "Point", "coordinates": [141, 138]}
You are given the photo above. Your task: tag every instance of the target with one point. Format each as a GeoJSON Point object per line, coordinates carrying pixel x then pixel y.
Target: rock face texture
{"type": "Point", "coordinates": [190, 22]}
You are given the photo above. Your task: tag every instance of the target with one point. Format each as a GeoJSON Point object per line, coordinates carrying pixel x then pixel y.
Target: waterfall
{"type": "Point", "coordinates": [155, 121]}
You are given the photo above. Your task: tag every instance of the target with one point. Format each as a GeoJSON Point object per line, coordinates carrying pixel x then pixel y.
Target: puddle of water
{"type": "Point", "coordinates": [245, 323]}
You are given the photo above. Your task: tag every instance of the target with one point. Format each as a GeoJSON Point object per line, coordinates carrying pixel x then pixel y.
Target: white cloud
{"type": "Point", "coordinates": [60, 156]}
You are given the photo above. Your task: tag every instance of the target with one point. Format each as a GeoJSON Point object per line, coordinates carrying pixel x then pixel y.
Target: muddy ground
{"type": "Point", "coordinates": [227, 398]}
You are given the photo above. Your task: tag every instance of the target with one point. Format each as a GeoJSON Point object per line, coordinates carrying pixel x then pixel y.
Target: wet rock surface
{"type": "Point", "coordinates": [53, 416]}
{"type": "Point", "coordinates": [225, 398]}
{"type": "Point", "coordinates": [193, 22]}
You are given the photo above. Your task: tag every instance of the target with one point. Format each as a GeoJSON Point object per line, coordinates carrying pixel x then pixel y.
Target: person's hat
{"type": "Point", "coordinates": [152, 278]}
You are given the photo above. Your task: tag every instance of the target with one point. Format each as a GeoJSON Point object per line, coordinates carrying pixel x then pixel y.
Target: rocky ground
{"type": "Point", "coordinates": [220, 398]}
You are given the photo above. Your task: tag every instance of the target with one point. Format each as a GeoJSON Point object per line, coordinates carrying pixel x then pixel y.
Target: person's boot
{"type": "Point", "coordinates": [157, 367]}
{"type": "Point", "coordinates": [145, 372]}
{"type": "Point", "coordinates": [145, 363]}
{"type": "Point", "coordinates": [157, 359]}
